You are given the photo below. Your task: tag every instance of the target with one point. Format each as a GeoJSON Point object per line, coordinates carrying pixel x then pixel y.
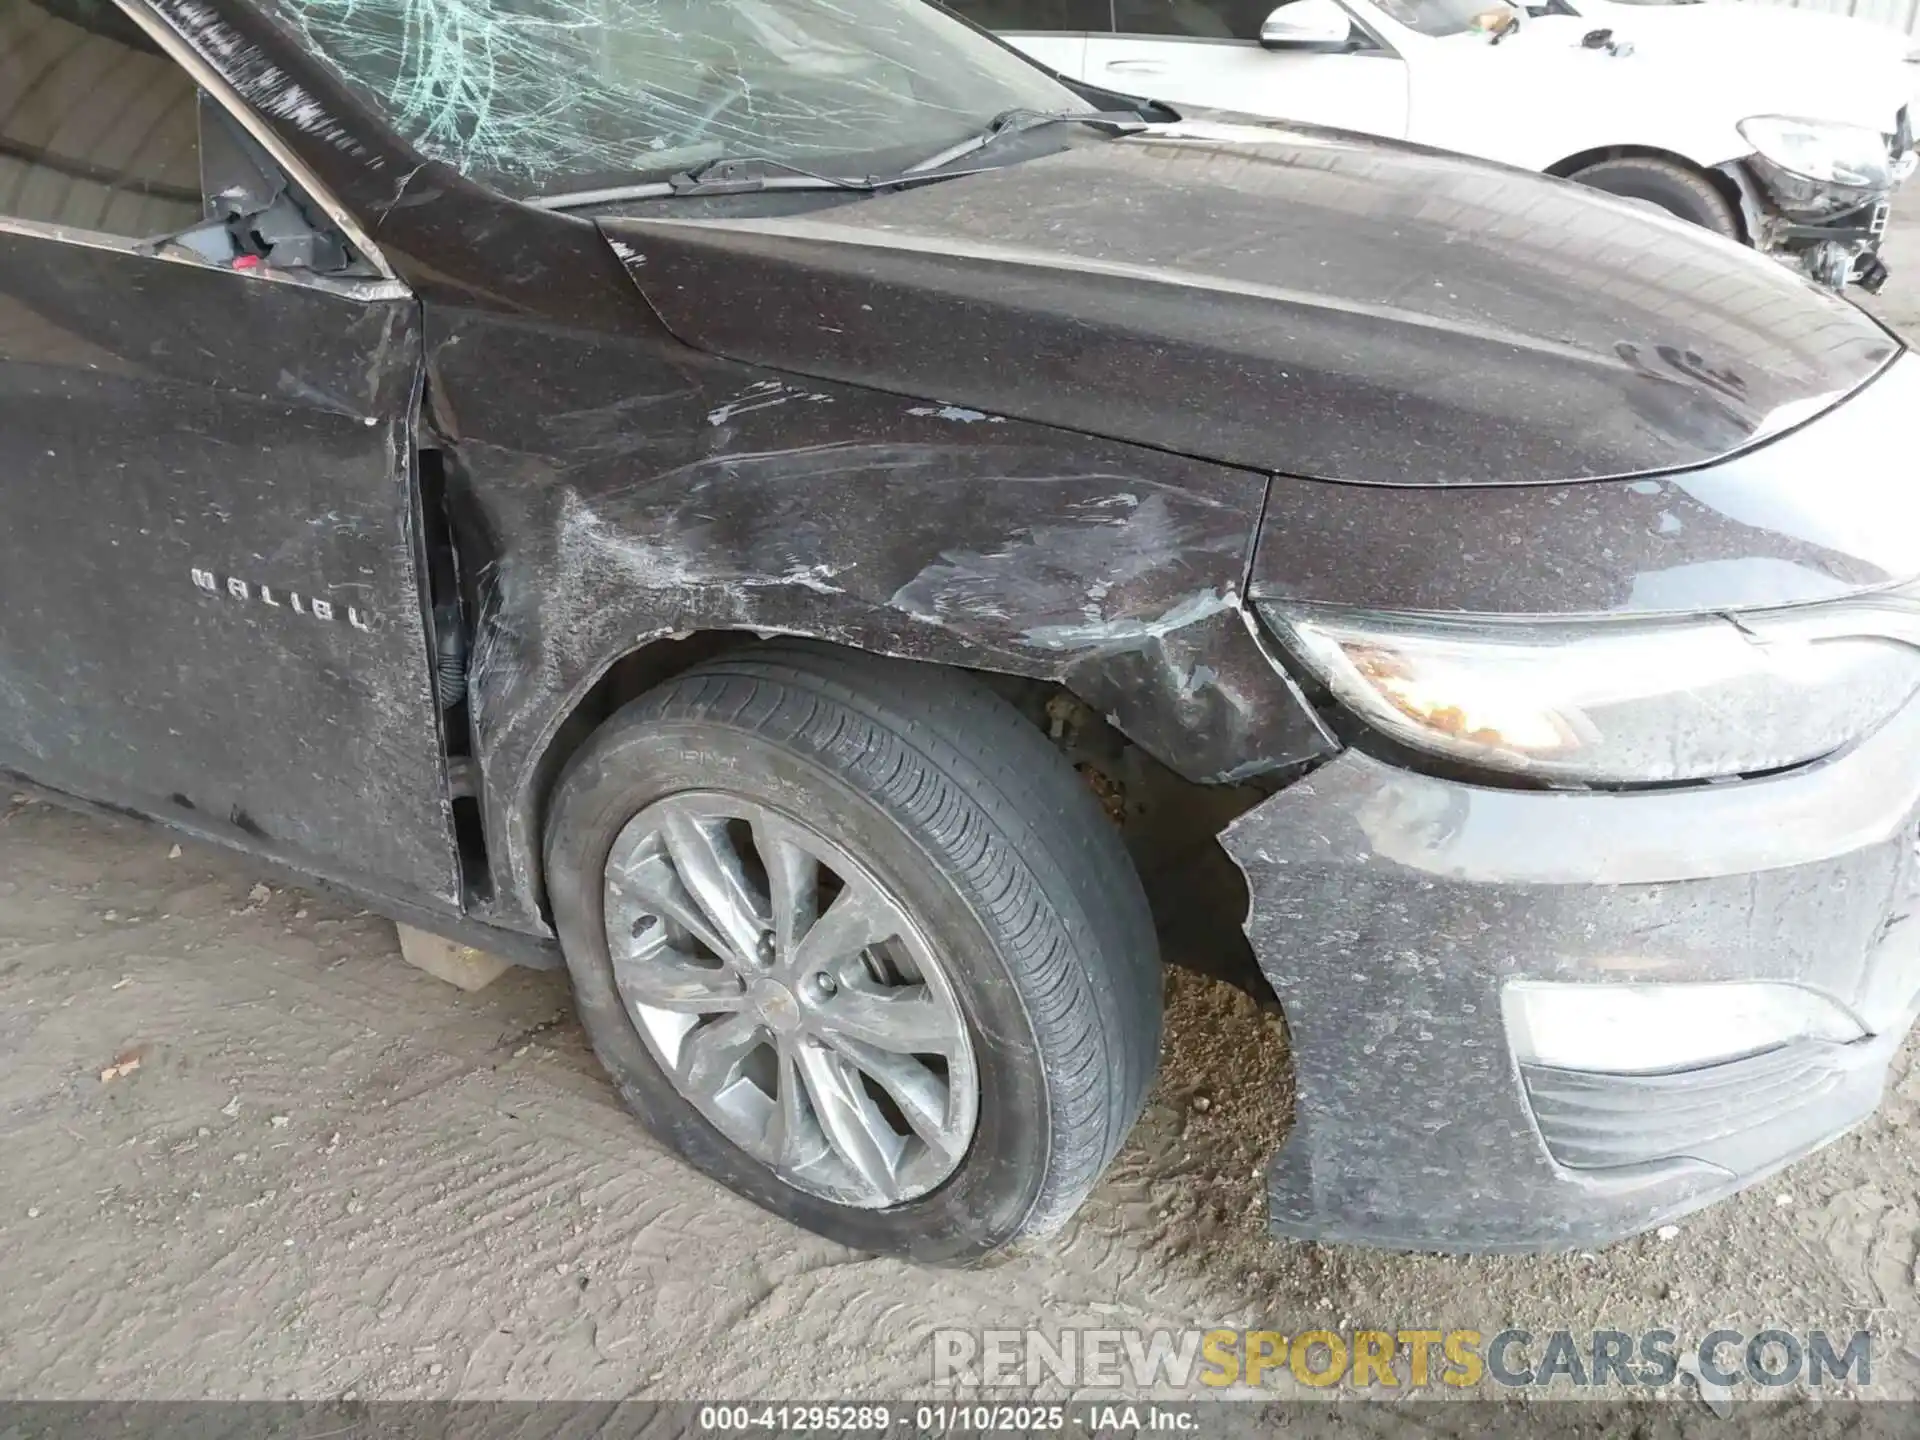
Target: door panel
{"type": "Point", "coordinates": [1365, 91]}
{"type": "Point", "coordinates": [209, 601]}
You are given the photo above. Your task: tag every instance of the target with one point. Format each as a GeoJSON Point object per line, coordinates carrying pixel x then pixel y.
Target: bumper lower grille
{"type": "Point", "coordinates": [1716, 1113]}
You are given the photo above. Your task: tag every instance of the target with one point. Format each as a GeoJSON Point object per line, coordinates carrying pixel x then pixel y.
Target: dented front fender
{"type": "Point", "coordinates": [636, 491]}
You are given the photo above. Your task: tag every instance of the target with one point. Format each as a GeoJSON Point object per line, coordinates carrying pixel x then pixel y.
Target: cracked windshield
{"type": "Point", "coordinates": [539, 98]}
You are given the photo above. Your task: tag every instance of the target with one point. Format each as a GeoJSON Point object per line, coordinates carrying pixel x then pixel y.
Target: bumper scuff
{"type": "Point", "coordinates": [1388, 908]}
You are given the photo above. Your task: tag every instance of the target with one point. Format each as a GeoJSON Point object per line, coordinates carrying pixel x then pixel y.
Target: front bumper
{"type": "Point", "coordinates": [1388, 909]}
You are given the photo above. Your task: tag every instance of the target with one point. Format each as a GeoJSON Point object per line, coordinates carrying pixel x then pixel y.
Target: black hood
{"type": "Point", "coordinates": [1299, 301]}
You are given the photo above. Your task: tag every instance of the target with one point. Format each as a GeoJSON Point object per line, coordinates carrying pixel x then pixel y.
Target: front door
{"type": "Point", "coordinates": [209, 591]}
{"type": "Point", "coordinates": [1207, 53]}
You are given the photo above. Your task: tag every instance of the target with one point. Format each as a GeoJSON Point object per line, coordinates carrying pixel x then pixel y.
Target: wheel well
{"type": "Point", "coordinates": [1170, 825]}
{"type": "Point", "coordinates": [1566, 169]}
{"type": "Point", "coordinates": [626, 679]}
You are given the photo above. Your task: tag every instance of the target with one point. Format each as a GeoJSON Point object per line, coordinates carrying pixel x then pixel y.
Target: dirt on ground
{"type": "Point", "coordinates": [246, 1152]}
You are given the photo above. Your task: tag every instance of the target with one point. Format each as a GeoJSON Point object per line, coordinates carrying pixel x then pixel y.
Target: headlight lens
{"type": "Point", "coordinates": [1825, 151]}
{"type": "Point", "coordinates": [1620, 702]}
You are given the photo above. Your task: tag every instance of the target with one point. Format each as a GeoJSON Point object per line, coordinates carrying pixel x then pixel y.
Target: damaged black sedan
{"type": "Point", "coordinates": [827, 531]}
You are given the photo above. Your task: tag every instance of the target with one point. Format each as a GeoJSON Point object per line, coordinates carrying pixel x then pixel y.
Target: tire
{"type": "Point", "coordinates": [1021, 915]}
{"type": "Point", "coordinates": [1675, 188]}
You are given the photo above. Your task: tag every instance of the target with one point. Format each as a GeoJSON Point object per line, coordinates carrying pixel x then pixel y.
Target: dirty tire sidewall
{"type": "Point", "coordinates": [1675, 189]}
{"type": "Point", "coordinates": [991, 1199]}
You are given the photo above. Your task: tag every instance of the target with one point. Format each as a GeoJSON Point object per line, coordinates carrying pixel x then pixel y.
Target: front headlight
{"type": "Point", "coordinates": [1603, 702]}
{"type": "Point", "coordinates": [1827, 152]}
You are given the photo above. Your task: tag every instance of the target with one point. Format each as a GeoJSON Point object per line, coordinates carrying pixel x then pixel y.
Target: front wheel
{"type": "Point", "coordinates": [853, 939]}
{"type": "Point", "coordinates": [1678, 189]}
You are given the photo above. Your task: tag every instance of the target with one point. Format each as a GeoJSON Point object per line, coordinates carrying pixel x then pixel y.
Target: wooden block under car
{"type": "Point", "coordinates": [450, 961]}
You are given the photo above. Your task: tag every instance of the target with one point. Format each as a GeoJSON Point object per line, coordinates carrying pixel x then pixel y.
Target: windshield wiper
{"type": "Point", "coordinates": [730, 175]}
{"type": "Point", "coordinates": [751, 174]}
{"type": "Point", "coordinates": [1014, 122]}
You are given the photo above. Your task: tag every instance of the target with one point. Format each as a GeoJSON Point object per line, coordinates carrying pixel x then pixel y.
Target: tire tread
{"type": "Point", "coordinates": [1015, 828]}
{"type": "Point", "coordinates": [1717, 213]}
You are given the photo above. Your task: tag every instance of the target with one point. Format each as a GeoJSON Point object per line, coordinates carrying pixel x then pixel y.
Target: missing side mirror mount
{"type": "Point", "coordinates": [249, 203]}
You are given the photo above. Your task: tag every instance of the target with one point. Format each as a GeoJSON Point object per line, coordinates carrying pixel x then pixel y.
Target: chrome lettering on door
{"type": "Point", "coordinates": [253, 593]}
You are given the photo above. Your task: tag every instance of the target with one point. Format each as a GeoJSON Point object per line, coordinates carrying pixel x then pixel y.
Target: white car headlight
{"type": "Point", "coordinates": [1603, 702]}
{"type": "Point", "coordinates": [1635, 1029]}
{"type": "Point", "coordinates": [1825, 151]}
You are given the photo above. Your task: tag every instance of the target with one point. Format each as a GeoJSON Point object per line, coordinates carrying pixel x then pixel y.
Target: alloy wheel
{"type": "Point", "coordinates": [790, 999]}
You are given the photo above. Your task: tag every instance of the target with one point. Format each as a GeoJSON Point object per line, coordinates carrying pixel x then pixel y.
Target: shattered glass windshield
{"type": "Point", "coordinates": [539, 98]}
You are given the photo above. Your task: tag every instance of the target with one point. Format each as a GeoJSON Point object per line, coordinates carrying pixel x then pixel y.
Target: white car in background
{"type": "Point", "coordinates": [1785, 129]}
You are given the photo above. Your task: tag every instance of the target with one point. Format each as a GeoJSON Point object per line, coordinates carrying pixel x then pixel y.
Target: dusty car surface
{"type": "Point", "coordinates": [798, 515]}
{"type": "Point", "coordinates": [1787, 130]}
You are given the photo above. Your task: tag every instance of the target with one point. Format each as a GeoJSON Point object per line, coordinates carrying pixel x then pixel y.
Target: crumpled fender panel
{"type": "Point", "coordinates": [634, 490]}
